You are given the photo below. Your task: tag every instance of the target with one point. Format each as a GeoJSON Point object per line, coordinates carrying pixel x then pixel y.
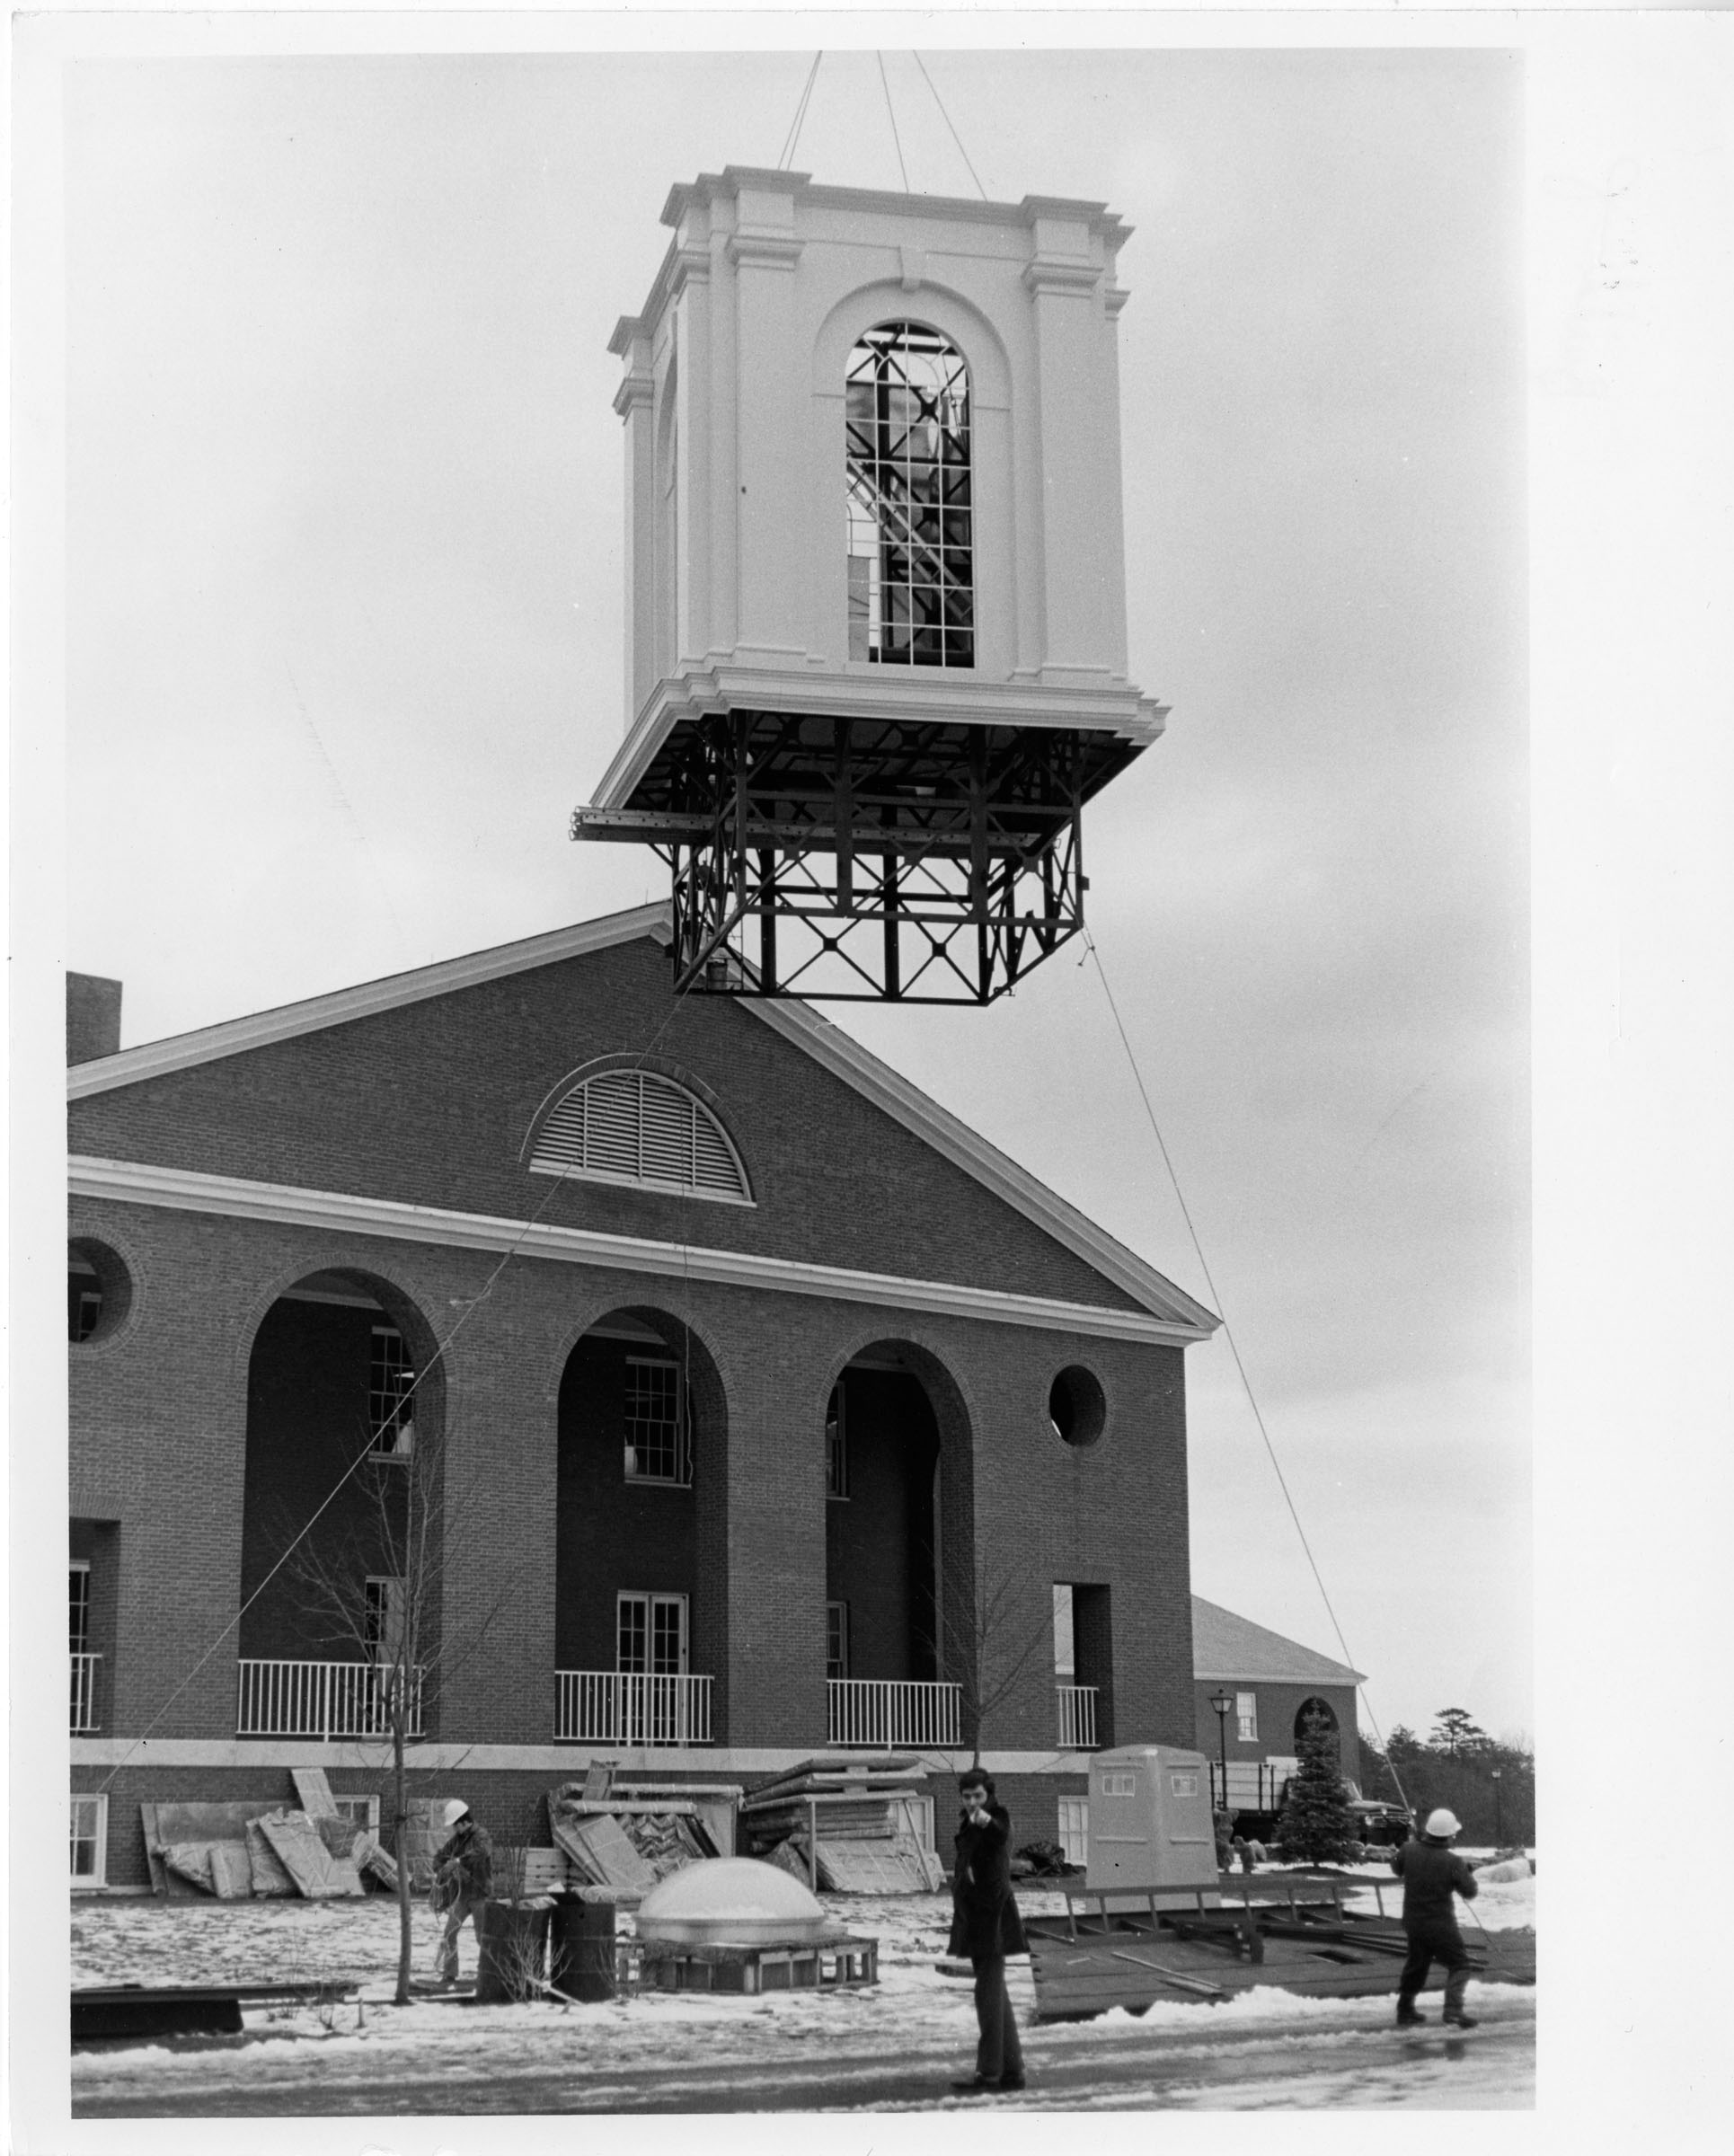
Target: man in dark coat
{"type": "Point", "coordinates": [463, 1869]}
{"type": "Point", "coordinates": [1431, 1873]}
{"type": "Point", "coordinates": [986, 1927]}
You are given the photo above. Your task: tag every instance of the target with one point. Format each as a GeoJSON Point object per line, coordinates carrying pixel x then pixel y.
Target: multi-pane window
{"type": "Point", "coordinates": [1246, 1716]}
{"type": "Point", "coordinates": [84, 1298]}
{"type": "Point", "coordinates": [910, 508]}
{"type": "Point", "coordinates": [836, 1639]}
{"type": "Point", "coordinates": [836, 1446]}
{"type": "Point", "coordinates": [78, 1606]}
{"type": "Point", "coordinates": [638, 1128]}
{"type": "Point", "coordinates": [1073, 1835]}
{"type": "Point", "coordinates": [650, 1638]}
{"type": "Point", "coordinates": [90, 1833]}
{"type": "Point", "coordinates": [385, 1619]}
{"type": "Point", "coordinates": [391, 1383]}
{"type": "Point", "coordinates": [657, 1450]}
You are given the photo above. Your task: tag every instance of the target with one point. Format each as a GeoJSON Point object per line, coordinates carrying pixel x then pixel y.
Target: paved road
{"type": "Point", "coordinates": [1274, 2066]}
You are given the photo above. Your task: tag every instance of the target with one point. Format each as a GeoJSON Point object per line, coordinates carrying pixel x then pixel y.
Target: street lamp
{"type": "Point", "coordinates": [1223, 1703]}
{"type": "Point", "coordinates": [1498, 1828]}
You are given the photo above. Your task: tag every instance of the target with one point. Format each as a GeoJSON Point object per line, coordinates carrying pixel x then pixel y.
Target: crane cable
{"type": "Point", "coordinates": [1233, 1345]}
{"type": "Point", "coordinates": [793, 137]}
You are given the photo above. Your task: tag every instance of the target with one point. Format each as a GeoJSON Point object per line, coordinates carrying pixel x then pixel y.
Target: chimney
{"type": "Point", "coordinates": [92, 1018]}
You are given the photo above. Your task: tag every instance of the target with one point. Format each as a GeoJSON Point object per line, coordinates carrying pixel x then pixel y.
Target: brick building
{"type": "Point", "coordinates": [753, 1376]}
{"type": "Point", "coordinates": [1275, 1684]}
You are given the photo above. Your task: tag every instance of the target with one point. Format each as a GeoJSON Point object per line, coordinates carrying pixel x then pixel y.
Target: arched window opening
{"type": "Point", "coordinates": [910, 503]}
{"type": "Point", "coordinates": [1314, 1708]}
{"type": "Point", "coordinates": [639, 1128]}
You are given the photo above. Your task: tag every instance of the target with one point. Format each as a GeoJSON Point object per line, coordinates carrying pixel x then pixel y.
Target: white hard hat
{"type": "Point", "coordinates": [1442, 1823]}
{"type": "Point", "coordinates": [456, 1807]}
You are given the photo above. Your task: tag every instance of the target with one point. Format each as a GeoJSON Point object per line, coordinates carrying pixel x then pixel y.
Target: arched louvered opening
{"type": "Point", "coordinates": [638, 1128]}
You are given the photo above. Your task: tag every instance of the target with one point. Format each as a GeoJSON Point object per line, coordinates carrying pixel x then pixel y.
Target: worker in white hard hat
{"type": "Point", "coordinates": [463, 1869]}
{"type": "Point", "coordinates": [1431, 1873]}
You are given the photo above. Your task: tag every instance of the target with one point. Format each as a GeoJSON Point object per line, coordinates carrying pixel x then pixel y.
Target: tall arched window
{"type": "Point", "coordinates": [639, 1127]}
{"type": "Point", "coordinates": [910, 503]}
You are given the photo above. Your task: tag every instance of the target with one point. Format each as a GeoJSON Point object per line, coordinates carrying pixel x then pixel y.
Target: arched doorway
{"type": "Point", "coordinates": [343, 1521]}
{"type": "Point", "coordinates": [897, 1509]}
{"type": "Point", "coordinates": [639, 1546]}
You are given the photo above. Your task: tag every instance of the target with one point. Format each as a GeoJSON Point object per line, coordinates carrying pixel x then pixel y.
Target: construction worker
{"type": "Point", "coordinates": [463, 1869]}
{"type": "Point", "coordinates": [1431, 1873]}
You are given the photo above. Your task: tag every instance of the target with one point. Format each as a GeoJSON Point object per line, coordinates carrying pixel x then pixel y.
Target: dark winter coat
{"type": "Point", "coordinates": [984, 1919]}
{"type": "Point", "coordinates": [1431, 1873]}
{"type": "Point", "coordinates": [469, 1855]}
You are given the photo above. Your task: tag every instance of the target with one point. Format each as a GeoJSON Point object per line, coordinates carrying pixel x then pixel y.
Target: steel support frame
{"type": "Point", "coordinates": [909, 863]}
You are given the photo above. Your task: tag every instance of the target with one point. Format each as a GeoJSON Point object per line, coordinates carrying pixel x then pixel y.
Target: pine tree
{"type": "Point", "coordinates": [1316, 1823]}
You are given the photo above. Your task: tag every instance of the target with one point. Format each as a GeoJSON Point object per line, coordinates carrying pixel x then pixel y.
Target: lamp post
{"type": "Point", "coordinates": [1498, 1828]}
{"type": "Point", "coordinates": [1222, 1701]}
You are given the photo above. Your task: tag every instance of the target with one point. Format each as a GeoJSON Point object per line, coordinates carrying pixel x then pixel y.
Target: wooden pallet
{"type": "Point", "coordinates": [1107, 1952]}
{"type": "Point", "coordinates": [837, 1964]}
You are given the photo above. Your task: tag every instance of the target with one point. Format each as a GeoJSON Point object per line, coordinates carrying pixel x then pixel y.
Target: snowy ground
{"type": "Point", "coordinates": [914, 2011]}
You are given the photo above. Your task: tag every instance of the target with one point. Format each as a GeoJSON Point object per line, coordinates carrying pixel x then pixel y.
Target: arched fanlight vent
{"type": "Point", "coordinates": [641, 1128]}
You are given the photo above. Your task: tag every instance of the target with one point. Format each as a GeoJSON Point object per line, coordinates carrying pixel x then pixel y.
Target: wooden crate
{"type": "Point", "coordinates": [841, 1964]}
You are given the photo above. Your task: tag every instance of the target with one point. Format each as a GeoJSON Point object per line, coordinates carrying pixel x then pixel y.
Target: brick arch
{"type": "Point", "coordinates": [708, 1637]}
{"type": "Point", "coordinates": [950, 1618]}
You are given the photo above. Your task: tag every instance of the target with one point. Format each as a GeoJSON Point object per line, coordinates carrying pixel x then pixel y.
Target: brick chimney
{"type": "Point", "coordinates": [93, 1017]}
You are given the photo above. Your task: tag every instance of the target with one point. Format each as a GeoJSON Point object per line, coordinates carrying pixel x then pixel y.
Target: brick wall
{"type": "Point", "coordinates": [433, 1104]}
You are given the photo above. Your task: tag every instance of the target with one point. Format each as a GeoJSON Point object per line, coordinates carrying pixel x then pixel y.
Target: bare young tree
{"type": "Point", "coordinates": [991, 1638]}
{"type": "Point", "coordinates": [374, 1586]}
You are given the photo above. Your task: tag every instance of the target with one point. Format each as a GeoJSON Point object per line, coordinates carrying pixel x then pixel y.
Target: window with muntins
{"type": "Point", "coordinates": [638, 1128]}
{"type": "Point", "coordinates": [391, 1381]}
{"type": "Point", "coordinates": [657, 1450]}
{"type": "Point", "coordinates": [1246, 1713]}
{"type": "Point", "coordinates": [909, 500]}
{"type": "Point", "coordinates": [90, 1835]}
{"type": "Point", "coordinates": [836, 1640]}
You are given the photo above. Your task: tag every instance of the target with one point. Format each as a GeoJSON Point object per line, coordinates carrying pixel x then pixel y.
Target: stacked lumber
{"type": "Point", "coordinates": [847, 1824]}
{"type": "Point", "coordinates": [626, 1843]}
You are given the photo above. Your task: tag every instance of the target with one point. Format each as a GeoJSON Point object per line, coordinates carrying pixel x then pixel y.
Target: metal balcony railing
{"type": "Point", "coordinates": [1077, 1717]}
{"type": "Point", "coordinates": [625, 1707]}
{"type": "Point", "coordinates": [86, 1669]}
{"type": "Point", "coordinates": [880, 1714]}
{"type": "Point", "coordinates": [321, 1699]}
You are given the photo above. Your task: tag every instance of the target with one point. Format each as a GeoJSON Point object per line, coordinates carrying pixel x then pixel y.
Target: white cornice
{"type": "Point", "coordinates": [232, 1198]}
{"type": "Point", "coordinates": [182, 1051]}
{"type": "Point", "coordinates": [142, 1754]}
{"type": "Point", "coordinates": [701, 691]}
{"type": "Point", "coordinates": [842, 1054]}
{"type": "Point", "coordinates": [1331, 1673]}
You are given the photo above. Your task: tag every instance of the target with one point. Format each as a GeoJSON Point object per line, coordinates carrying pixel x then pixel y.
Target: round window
{"type": "Point", "coordinates": [98, 1291]}
{"type": "Point", "coordinates": [1077, 1406]}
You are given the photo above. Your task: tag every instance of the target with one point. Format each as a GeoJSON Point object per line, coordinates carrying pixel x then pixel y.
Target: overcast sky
{"type": "Point", "coordinates": [344, 646]}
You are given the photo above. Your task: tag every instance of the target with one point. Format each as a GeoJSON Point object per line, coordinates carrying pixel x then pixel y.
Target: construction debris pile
{"type": "Point", "coordinates": [627, 1835]}
{"type": "Point", "coordinates": [848, 1826]}
{"type": "Point", "coordinates": [236, 1851]}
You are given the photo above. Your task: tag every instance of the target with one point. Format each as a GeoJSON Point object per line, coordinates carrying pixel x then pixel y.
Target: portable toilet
{"type": "Point", "coordinates": [1149, 1824]}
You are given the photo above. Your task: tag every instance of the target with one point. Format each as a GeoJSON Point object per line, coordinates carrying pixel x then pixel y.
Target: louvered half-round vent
{"type": "Point", "coordinates": [638, 1128]}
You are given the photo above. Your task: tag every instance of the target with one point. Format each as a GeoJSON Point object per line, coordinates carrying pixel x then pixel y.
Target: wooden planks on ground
{"type": "Point", "coordinates": [314, 1791]}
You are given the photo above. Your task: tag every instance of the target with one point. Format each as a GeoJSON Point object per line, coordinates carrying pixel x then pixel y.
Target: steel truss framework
{"type": "Point", "coordinates": [866, 860]}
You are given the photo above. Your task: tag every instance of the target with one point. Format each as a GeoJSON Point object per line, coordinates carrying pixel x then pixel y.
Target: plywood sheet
{"type": "Point", "coordinates": [317, 1874]}
{"type": "Point", "coordinates": [231, 1871]}
{"type": "Point", "coordinates": [603, 1853]}
{"type": "Point", "coordinates": [269, 1877]}
{"type": "Point", "coordinates": [313, 1788]}
{"type": "Point", "coordinates": [848, 1866]}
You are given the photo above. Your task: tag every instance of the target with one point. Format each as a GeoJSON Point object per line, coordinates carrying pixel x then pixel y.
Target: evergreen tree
{"type": "Point", "coordinates": [1316, 1825]}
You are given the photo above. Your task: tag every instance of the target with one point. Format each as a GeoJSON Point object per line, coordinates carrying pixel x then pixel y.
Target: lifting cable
{"type": "Point", "coordinates": [946, 116]}
{"type": "Point", "coordinates": [367, 1452]}
{"type": "Point", "coordinates": [895, 138]}
{"type": "Point", "coordinates": [793, 136]}
{"type": "Point", "coordinates": [1228, 1334]}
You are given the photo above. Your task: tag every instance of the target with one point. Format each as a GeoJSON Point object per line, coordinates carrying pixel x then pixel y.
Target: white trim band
{"type": "Point", "coordinates": [187, 1190]}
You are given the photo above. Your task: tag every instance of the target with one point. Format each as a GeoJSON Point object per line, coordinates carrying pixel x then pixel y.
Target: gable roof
{"type": "Point", "coordinates": [1225, 1648]}
{"type": "Point", "coordinates": [796, 1022]}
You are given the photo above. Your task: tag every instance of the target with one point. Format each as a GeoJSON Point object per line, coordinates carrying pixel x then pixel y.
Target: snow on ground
{"type": "Point", "coordinates": [913, 2004]}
